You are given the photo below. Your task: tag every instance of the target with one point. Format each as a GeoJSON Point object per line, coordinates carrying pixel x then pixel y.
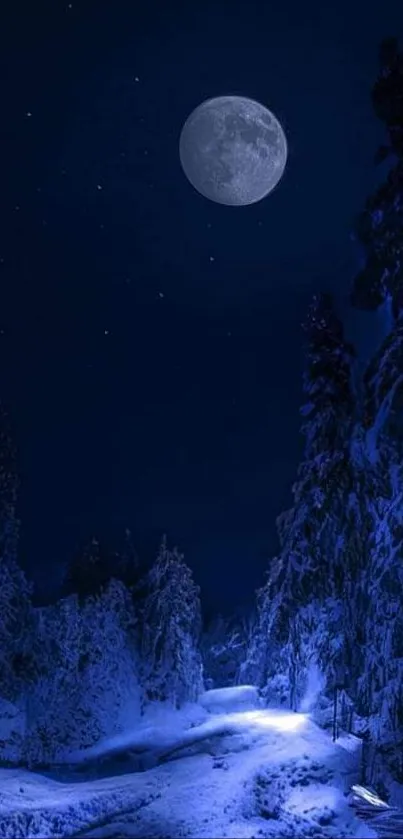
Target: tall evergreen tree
{"type": "Point", "coordinates": [380, 232]}
{"type": "Point", "coordinates": [310, 543]}
{"type": "Point", "coordinates": [335, 592]}
{"type": "Point", "coordinates": [309, 571]}
{"type": "Point", "coordinates": [171, 625]}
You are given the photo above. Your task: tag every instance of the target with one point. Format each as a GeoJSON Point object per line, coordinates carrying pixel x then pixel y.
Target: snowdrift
{"type": "Point", "coordinates": [221, 700]}
{"type": "Point", "coordinates": [241, 774]}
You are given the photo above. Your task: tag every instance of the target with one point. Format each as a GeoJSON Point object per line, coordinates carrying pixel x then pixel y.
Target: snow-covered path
{"type": "Point", "coordinates": [290, 785]}
{"type": "Point", "coordinates": [244, 774]}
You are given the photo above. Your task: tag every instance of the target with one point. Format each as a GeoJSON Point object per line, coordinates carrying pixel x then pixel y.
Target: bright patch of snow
{"type": "Point", "coordinates": [277, 720]}
{"type": "Point", "coordinates": [230, 699]}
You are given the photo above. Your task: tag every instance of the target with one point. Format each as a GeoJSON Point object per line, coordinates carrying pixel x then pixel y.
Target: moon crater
{"type": "Point", "coordinates": [233, 150]}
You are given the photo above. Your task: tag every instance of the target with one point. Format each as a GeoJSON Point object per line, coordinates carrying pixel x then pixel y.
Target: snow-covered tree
{"type": "Point", "coordinates": [171, 625]}
{"type": "Point", "coordinates": [334, 593]}
{"type": "Point", "coordinates": [379, 693]}
{"type": "Point", "coordinates": [53, 698]}
{"type": "Point", "coordinates": [108, 666]}
{"type": "Point", "coordinates": [314, 533]}
{"type": "Point", "coordinates": [224, 647]}
{"type": "Point", "coordinates": [86, 685]}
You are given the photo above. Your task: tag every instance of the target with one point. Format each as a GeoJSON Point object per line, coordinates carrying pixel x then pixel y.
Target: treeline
{"type": "Point", "coordinates": [334, 594]}
{"type": "Point", "coordinates": [86, 666]}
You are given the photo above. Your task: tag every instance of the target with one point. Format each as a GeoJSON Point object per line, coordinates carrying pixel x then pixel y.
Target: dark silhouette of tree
{"type": "Point", "coordinates": [379, 228]}
{"type": "Point", "coordinates": [88, 572]}
{"type": "Point", "coordinates": [15, 591]}
{"type": "Point", "coordinates": [125, 564]}
{"type": "Point", "coordinates": [9, 485]}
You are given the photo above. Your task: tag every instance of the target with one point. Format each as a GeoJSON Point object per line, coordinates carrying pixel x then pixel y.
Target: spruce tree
{"type": "Point", "coordinates": [379, 692]}
{"type": "Point", "coordinates": [171, 625]}
{"type": "Point", "coordinates": [307, 578]}
{"type": "Point", "coordinates": [309, 532]}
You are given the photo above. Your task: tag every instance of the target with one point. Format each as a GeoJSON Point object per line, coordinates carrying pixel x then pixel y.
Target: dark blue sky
{"type": "Point", "coordinates": [154, 387]}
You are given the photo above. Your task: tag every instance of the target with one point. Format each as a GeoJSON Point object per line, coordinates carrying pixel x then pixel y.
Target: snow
{"type": "Point", "coordinates": [230, 698]}
{"type": "Point", "coordinates": [244, 773]}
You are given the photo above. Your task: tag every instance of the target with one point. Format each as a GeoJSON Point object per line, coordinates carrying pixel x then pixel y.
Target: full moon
{"type": "Point", "coordinates": [233, 150]}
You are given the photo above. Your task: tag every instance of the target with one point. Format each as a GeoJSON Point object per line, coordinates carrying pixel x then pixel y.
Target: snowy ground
{"type": "Point", "coordinates": [246, 772]}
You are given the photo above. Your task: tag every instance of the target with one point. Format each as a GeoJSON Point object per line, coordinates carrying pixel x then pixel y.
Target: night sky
{"type": "Point", "coordinates": [151, 349]}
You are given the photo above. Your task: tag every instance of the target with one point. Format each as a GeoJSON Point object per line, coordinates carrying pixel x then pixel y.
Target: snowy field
{"type": "Point", "coordinates": [225, 767]}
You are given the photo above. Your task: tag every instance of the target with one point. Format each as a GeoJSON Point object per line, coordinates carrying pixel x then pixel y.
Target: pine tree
{"type": "Point", "coordinates": [310, 535]}
{"type": "Point", "coordinates": [379, 693]}
{"type": "Point", "coordinates": [308, 575]}
{"type": "Point", "coordinates": [334, 594]}
{"type": "Point", "coordinates": [171, 625]}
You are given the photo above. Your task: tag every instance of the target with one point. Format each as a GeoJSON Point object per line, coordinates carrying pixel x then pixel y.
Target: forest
{"type": "Point", "coordinates": [329, 614]}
